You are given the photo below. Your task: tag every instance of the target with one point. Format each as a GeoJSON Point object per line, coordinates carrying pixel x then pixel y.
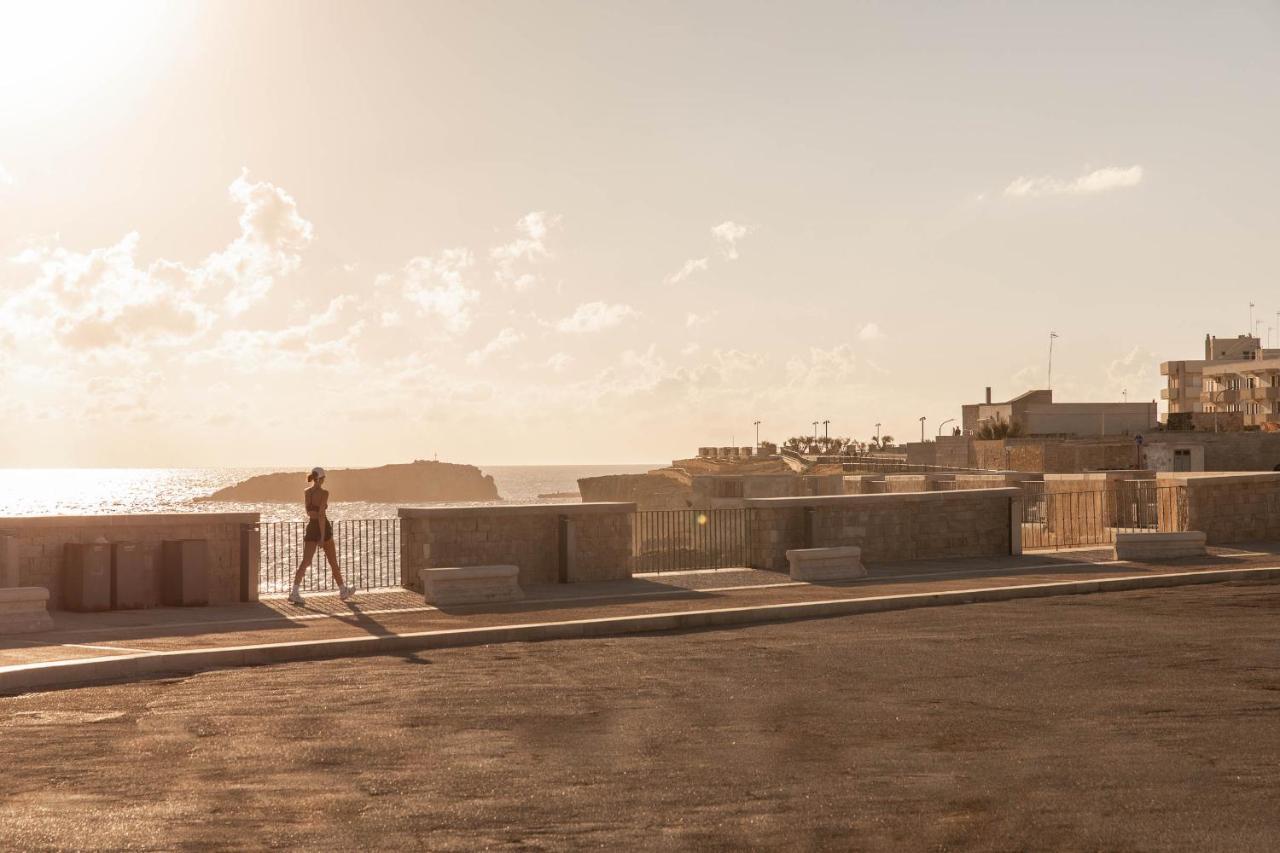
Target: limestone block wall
{"type": "Point", "coordinates": [598, 540]}
{"type": "Point", "coordinates": [863, 484]}
{"type": "Point", "coordinates": [1232, 508]}
{"type": "Point", "coordinates": [36, 545]}
{"type": "Point", "coordinates": [889, 527]}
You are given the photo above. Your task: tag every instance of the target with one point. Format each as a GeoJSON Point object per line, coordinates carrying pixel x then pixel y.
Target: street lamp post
{"type": "Point", "coordinates": [825, 432]}
{"type": "Point", "coordinates": [922, 429]}
{"type": "Point", "coordinates": [815, 430]}
{"type": "Point", "coordinates": [877, 436]}
{"type": "Point", "coordinates": [944, 423]}
{"type": "Point", "coordinates": [757, 423]}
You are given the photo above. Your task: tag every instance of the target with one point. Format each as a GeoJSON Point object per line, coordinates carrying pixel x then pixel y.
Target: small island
{"type": "Point", "coordinates": [415, 482]}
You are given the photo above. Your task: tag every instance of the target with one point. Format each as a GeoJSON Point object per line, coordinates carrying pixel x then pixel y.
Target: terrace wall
{"type": "Point", "coordinates": [598, 542]}
{"type": "Point", "coordinates": [889, 527]}
{"type": "Point", "coordinates": [32, 548]}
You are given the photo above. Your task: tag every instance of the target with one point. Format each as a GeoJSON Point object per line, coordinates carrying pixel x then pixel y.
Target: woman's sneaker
{"type": "Point", "coordinates": [295, 597]}
{"type": "Point", "coordinates": [345, 593]}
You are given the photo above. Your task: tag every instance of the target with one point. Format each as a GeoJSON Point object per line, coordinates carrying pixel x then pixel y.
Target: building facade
{"type": "Point", "coordinates": [1038, 414]}
{"type": "Point", "coordinates": [1237, 378]}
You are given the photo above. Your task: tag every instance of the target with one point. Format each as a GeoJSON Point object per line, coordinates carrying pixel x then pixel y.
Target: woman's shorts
{"type": "Point", "coordinates": [313, 531]}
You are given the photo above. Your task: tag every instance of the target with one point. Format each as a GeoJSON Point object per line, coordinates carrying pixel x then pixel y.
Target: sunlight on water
{"type": "Point", "coordinates": [106, 491]}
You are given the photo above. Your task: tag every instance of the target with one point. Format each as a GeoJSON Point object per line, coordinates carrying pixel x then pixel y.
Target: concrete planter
{"type": "Point", "coordinates": [826, 564]}
{"type": "Point", "coordinates": [24, 609]}
{"type": "Point", "coordinates": [471, 585]}
{"type": "Point", "coordinates": [1159, 546]}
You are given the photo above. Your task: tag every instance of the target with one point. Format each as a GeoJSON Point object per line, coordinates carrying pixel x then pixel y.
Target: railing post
{"type": "Point", "coordinates": [250, 561]}
{"type": "Point", "coordinates": [563, 534]}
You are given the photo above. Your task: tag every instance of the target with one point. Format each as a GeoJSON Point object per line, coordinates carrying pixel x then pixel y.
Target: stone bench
{"type": "Point", "coordinates": [1159, 546]}
{"type": "Point", "coordinates": [471, 585]}
{"type": "Point", "coordinates": [826, 564]}
{"type": "Point", "coordinates": [24, 609]}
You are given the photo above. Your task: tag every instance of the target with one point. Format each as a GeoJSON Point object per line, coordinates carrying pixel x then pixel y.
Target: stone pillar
{"type": "Point", "coordinates": [8, 561]}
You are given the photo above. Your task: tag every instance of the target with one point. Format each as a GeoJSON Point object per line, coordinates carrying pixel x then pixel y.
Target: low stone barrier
{"type": "Point", "coordinates": [1159, 546]}
{"type": "Point", "coordinates": [24, 609]}
{"type": "Point", "coordinates": [1231, 507]}
{"type": "Point", "coordinates": [826, 564]}
{"type": "Point", "coordinates": [550, 543]}
{"type": "Point", "coordinates": [32, 548]}
{"type": "Point", "coordinates": [889, 527]}
{"type": "Point", "coordinates": [471, 585]}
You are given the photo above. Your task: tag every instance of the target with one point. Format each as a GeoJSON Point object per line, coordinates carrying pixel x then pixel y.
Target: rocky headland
{"type": "Point", "coordinates": [414, 482]}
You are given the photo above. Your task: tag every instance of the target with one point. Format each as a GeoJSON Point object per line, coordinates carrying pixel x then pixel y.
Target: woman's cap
{"type": "Point", "coordinates": [317, 473]}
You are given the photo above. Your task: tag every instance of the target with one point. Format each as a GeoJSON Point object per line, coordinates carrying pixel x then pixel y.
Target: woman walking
{"type": "Point", "coordinates": [319, 531]}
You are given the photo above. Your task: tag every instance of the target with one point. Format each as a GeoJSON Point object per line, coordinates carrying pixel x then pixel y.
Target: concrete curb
{"type": "Point", "coordinates": [66, 673]}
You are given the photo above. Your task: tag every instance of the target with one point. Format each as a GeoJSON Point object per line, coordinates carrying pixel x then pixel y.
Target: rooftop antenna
{"type": "Point", "coordinates": [1052, 335]}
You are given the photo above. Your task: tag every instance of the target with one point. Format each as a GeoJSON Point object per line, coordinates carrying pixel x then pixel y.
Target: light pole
{"type": "Point", "coordinates": [944, 423]}
{"type": "Point", "coordinates": [815, 430]}
{"type": "Point", "coordinates": [757, 423]}
{"type": "Point", "coordinates": [922, 429]}
{"type": "Point", "coordinates": [825, 432]}
{"type": "Point", "coordinates": [877, 436]}
{"type": "Point", "coordinates": [1251, 318]}
{"type": "Point", "coordinates": [1052, 335]}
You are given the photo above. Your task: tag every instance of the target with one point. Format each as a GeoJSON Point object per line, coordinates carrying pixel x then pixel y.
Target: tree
{"type": "Point", "coordinates": [998, 427]}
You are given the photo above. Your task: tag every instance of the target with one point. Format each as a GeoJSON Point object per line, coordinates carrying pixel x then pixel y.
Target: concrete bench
{"type": "Point", "coordinates": [471, 585]}
{"type": "Point", "coordinates": [24, 609]}
{"type": "Point", "coordinates": [826, 564]}
{"type": "Point", "coordinates": [1159, 546]}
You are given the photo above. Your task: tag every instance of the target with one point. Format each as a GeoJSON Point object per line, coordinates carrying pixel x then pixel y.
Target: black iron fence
{"type": "Point", "coordinates": [368, 552]}
{"type": "Point", "coordinates": [671, 540]}
{"type": "Point", "coordinates": [1081, 517]}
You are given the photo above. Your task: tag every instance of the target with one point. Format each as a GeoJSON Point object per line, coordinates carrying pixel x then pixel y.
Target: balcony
{"type": "Point", "coordinates": [1220, 397]}
{"type": "Point", "coordinates": [1264, 394]}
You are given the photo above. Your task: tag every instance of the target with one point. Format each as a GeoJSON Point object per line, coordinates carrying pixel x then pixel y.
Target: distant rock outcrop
{"type": "Point", "coordinates": [415, 482]}
{"type": "Point", "coordinates": [662, 489]}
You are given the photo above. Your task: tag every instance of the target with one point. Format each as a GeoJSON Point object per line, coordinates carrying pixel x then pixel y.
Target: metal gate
{"type": "Point", "coordinates": [368, 554]}
{"type": "Point", "coordinates": [1081, 518]}
{"type": "Point", "coordinates": [670, 540]}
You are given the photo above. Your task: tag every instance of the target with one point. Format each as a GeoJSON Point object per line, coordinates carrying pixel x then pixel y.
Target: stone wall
{"type": "Point", "coordinates": [1055, 456]}
{"type": "Point", "coordinates": [863, 484]}
{"type": "Point", "coordinates": [1235, 508]}
{"type": "Point", "coordinates": [37, 543]}
{"type": "Point", "coordinates": [889, 527]}
{"type": "Point", "coordinates": [598, 543]}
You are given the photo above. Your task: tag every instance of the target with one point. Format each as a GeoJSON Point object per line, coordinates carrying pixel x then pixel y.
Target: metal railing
{"type": "Point", "coordinates": [368, 554]}
{"type": "Point", "coordinates": [671, 540]}
{"type": "Point", "coordinates": [1053, 520]}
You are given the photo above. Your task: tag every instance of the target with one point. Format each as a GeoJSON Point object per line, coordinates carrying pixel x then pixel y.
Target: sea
{"type": "Point", "coordinates": [110, 491]}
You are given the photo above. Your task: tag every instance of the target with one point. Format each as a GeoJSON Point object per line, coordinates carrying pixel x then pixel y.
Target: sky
{"type": "Point", "coordinates": [269, 233]}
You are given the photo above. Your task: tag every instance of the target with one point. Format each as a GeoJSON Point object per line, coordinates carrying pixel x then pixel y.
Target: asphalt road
{"type": "Point", "coordinates": [1146, 720]}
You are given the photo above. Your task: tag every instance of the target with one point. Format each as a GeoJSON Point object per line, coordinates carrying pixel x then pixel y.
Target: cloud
{"type": "Point", "coordinates": [690, 267]}
{"type": "Point", "coordinates": [559, 361]}
{"type": "Point", "coordinates": [272, 234]}
{"type": "Point", "coordinates": [435, 285]}
{"type": "Point", "coordinates": [823, 368]}
{"type": "Point", "coordinates": [103, 299]}
{"type": "Point", "coordinates": [692, 320]}
{"type": "Point", "coordinates": [504, 340]}
{"type": "Point", "coordinates": [290, 348]}
{"type": "Point", "coordinates": [596, 316]}
{"type": "Point", "coordinates": [6, 177]}
{"type": "Point", "coordinates": [870, 332]}
{"type": "Point", "coordinates": [529, 248]}
{"type": "Point", "coordinates": [727, 235]}
{"type": "Point", "coordinates": [1097, 181]}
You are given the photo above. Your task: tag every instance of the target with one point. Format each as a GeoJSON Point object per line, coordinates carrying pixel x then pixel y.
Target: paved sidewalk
{"type": "Point", "coordinates": [87, 637]}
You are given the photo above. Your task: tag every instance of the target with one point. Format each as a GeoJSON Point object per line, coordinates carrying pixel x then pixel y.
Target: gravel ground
{"type": "Point", "coordinates": [1146, 720]}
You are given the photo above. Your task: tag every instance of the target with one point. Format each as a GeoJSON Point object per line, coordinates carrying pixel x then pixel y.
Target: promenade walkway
{"type": "Point", "coordinates": [56, 657]}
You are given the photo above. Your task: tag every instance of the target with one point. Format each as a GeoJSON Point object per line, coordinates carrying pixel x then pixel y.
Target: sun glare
{"type": "Point", "coordinates": [54, 52]}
